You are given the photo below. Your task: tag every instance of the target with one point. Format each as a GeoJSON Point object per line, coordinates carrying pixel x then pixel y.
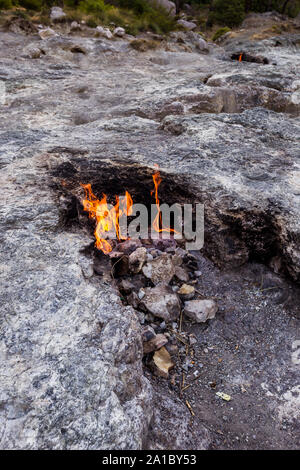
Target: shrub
{"type": "Point", "coordinates": [220, 32]}
{"type": "Point", "coordinates": [228, 12]}
{"type": "Point", "coordinates": [94, 7]}
{"type": "Point", "coordinates": [31, 4]}
{"type": "Point", "coordinates": [5, 4]}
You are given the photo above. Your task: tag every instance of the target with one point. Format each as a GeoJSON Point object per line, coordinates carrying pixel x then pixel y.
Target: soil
{"type": "Point", "coordinates": [248, 351]}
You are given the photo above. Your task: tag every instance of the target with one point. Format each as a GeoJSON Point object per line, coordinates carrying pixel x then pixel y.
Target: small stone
{"type": "Point", "coordinates": [75, 26]}
{"type": "Point", "coordinates": [155, 343]}
{"type": "Point", "coordinates": [148, 333]}
{"type": "Point", "coordinates": [129, 246]}
{"type": "Point", "coordinates": [200, 310]}
{"type": "Point", "coordinates": [104, 32]}
{"type": "Point", "coordinates": [120, 32]}
{"type": "Point", "coordinates": [163, 363]}
{"type": "Point", "coordinates": [177, 260]}
{"type": "Point", "coordinates": [198, 273]}
{"type": "Point", "coordinates": [57, 14]}
{"type": "Point", "coordinates": [192, 339]}
{"type": "Point", "coordinates": [141, 294]}
{"type": "Point", "coordinates": [162, 302]}
{"type": "Point", "coordinates": [181, 274]}
{"type": "Point", "coordinates": [187, 24]}
{"type": "Point", "coordinates": [47, 33]}
{"type": "Point", "coordinates": [137, 259]}
{"type": "Point", "coordinates": [126, 286]}
{"type": "Point", "coordinates": [160, 270]}
{"type": "Point", "coordinates": [186, 292]}
{"type": "Point", "coordinates": [32, 52]}
{"type": "Point", "coordinates": [149, 257]}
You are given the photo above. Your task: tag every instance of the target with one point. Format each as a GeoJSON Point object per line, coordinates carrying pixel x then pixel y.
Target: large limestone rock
{"type": "Point", "coordinates": [70, 362]}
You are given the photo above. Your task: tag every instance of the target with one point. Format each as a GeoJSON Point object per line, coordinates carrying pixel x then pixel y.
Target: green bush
{"type": "Point", "coordinates": [138, 6]}
{"type": "Point", "coordinates": [93, 7]}
{"type": "Point", "coordinates": [5, 4]}
{"type": "Point", "coordinates": [31, 4]}
{"type": "Point", "coordinates": [220, 32]}
{"type": "Point", "coordinates": [228, 12]}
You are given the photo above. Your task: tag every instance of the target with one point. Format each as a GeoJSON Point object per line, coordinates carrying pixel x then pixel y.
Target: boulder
{"type": "Point", "coordinates": [200, 310]}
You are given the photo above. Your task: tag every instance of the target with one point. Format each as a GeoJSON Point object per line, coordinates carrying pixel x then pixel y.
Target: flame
{"type": "Point", "coordinates": [241, 58]}
{"type": "Point", "coordinates": [157, 223]}
{"type": "Point", "coordinates": [107, 219]}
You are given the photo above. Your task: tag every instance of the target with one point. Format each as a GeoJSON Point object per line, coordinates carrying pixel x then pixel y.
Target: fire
{"type": "Point", "coordinates": [241, 58]}
{"type": "Point", "coordinates": [157, 223]}
{"type": "Point", "coordinates": [108, 217]}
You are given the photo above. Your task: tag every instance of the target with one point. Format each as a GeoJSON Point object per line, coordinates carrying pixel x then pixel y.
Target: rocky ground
{"type": "Point", "coordinates": [79, 108]}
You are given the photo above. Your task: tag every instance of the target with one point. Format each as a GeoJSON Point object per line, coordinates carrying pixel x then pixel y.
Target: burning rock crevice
{"type": "Point", "coordinates": [232, 237]}
{"type": "Point", "coordinates": [158, 278]}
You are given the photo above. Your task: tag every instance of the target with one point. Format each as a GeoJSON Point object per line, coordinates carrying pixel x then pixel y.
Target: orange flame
{"type": "Point", "coordinates": [157, 223]}
{"type": "Point", "coordinates": [107, 219]}
{"type": "Point", "coordinates": [241, 58]}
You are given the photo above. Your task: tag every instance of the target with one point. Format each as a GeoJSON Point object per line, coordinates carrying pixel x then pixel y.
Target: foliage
{"type": "Point", "coordinates": [220, 32]}
{"type": "Point", "coordinates": [228, 12]}
{"type": "Point", "coordinates": [5, 4]}
{"type": "Point", "coordinates": [31, 4]}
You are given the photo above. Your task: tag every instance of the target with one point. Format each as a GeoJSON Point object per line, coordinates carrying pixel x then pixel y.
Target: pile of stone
{"type": "Point", "coordinates": [158, 278]}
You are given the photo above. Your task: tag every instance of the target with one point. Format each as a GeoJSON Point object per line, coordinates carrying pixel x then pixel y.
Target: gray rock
{"type": "Point", "coordinates": [181, 274]}
{"type": "Point", "coordinates": [57, 14]}
{"type": "Point", "coordinates": [162, 302]}
{"type": "Point", "coordinates": [103, 32]}
{"type": "Point", "coordinates": [137, 259]}
{"type": "Point", "coordinates": [200, 310]}
{"type": "Point", "coordinates": [66, 340]}
{"type": "Point", "coordinates": [32, 52]}
{"type": "Point", "coordinates": [47, 33]}
{"type": "Point", "coordinates": [187, 24]}
{"type": "Point", "coordinates": [119, 32]}
{"type": "Point", "coordinates": [160, 269]}
{"type": "Point", "coordinates": [75, 26]}
{"type": "Point", "coordinates": [155, 343]}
